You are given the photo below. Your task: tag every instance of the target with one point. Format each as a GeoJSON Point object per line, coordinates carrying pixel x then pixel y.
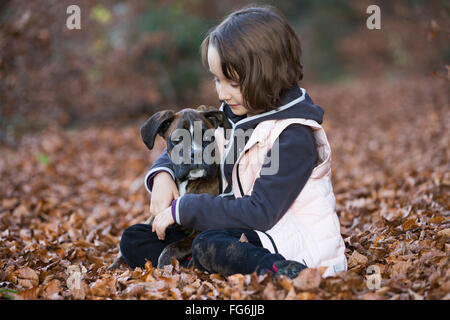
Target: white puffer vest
{"type": "Point", "coordinates": [309, 232]}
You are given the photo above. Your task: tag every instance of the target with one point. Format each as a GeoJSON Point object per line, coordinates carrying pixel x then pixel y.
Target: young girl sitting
{"type": "Point", "coordinates": [285, 204]}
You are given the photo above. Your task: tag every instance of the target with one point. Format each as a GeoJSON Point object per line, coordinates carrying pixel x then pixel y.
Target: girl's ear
{"type": "Point", "coordinates": [156, 124]}
{"type": "Point", "coordinates": [217, 118]}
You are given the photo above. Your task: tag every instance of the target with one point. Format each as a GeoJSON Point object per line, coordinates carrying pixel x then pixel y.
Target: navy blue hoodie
{"type": "Point", "coordinates": [272, 195]}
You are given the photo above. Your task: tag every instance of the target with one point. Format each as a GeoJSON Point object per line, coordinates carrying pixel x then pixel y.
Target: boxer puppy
{"type": "Point", "coordinates": [194, 173]}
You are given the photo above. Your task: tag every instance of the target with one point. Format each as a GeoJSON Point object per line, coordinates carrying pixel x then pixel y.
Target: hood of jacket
{"type": "Point", "coordinates": [294, 103]}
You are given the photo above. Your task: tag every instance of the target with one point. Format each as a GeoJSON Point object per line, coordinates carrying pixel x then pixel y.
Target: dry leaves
{"type": "Point", "coordinates": [66, 197]}
{"type": "Point", "coordinates": [308, 279]}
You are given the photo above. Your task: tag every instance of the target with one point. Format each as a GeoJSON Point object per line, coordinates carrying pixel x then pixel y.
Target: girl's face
{"type": "Point", "coordinates": [227, 90]}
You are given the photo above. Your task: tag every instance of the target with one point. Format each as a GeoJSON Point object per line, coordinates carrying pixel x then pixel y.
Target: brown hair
{"type": "Point", "coordinates": [259, 50]}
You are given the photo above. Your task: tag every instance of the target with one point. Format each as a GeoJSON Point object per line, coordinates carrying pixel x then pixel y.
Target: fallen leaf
{"type": "Point", "coordinates": [357, 259]}
{"type": "Point", "coordinates": [103, 287]}
{"type": "Point", "coordinates": [306, 296]}
{"type": "Point", "coordinates": [269, 292]}
{"type": "Point", "coordinates": [26, 277]}
{"type": "Point", "coordinates": [400, 269]}
{"type": "Point", "coordinates": [53, 289]}
{"type": "Point", "coordinates": [409, 224]}
{"type": "Point", "coordinates": [308, 279]}
{"type": "Point", "coordinates": [29, 294]}
{"type": "Point", "coordinates": [445, 233]}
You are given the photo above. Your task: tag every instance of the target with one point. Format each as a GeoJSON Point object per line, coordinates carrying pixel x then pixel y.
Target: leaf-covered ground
{"type": "Point", "coordinates": [66, 196]}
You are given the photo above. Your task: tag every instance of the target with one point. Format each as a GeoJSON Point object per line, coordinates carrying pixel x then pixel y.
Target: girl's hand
{"type": "Point", "coordinates": [163, 193]}
{"type": "Point", "coordinates": [161, 222]}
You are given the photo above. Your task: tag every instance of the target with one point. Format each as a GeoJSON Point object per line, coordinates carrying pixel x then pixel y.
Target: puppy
{"type": "Point", "coordinates": [179, 130]}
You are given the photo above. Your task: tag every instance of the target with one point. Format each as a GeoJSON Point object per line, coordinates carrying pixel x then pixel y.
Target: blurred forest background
{"type": "Point", "coordinates": [132, 58]}
{"type": "Point", "coordinates": [72, 162]}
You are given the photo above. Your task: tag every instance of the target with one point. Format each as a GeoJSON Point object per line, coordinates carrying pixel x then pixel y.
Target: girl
{"type": "Point", "coordinates": [285, 204]}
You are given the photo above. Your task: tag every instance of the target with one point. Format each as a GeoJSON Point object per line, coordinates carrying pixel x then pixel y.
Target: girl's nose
{"type": "Point", "coordinates": [223, 94]}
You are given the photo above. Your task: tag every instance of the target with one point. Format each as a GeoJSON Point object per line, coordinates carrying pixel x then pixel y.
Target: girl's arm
{"type": "Point", "coordinates": [163, 163]}
{"type": "Point", "coordinates": [271, 197]}
{"type": "Point", "coordinates": [162, 177]}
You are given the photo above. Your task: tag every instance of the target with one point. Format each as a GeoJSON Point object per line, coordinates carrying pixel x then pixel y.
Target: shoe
{"type": "Point", "coordinates": [288, 268]}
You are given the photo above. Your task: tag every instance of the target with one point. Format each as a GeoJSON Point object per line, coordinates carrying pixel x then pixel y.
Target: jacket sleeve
{"type": "Point", "coordinates": [163, 163]}
{"type": "Point", "coordinates": [271, 197]}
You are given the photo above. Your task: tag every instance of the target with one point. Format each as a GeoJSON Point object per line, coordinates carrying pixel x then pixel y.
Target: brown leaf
{"type": "Point", "coordinates": [168, 269]}
{"type": "Point", "coordinates": [157, 285]}
{"type": "Point", "coordinates": [103, 287]}
{"type": "Point", "coordinates": [306, 296]}
{"type": "Point", "coordinates": [148, 266]}
{"type": "Point", "coordinates": [216, 277]}
{"type": "Point", "coordinates": [52, 289]}
{"type": "Point", "coordinates": [176, 293]}
{"type": "Point", "coordinates": [237, 280]}
{"type": "Point", "coordinates": [308, 279]}
{"type": "Point", "coordinates": [170, 282]}
{"type": "Point", "coordinates": [357, 259]}
{"type": "Point", "coordinates": [409, 224]}
{"type": "Point", "coordinates": [400, 269]}
{"type": "Point", "coordinates": [135, 289]}
{"type": "Point", "coordinates": [291, 295]}
{"type": "Point", "coordinates": [29, 294]}
{"type": "Point", "coordinates": [372, 296]}
{"type": "Point", "coordinates": [445, 233]}
{"type": "Point", "coordinates": [8, 204]}
{"type": "Point", "coordinates": [285, 283]}
{"type": "Point", "coordinates": [236, 294]}
{"type": "Point", "coordinates": [26, 277]}
{"type": "Point", "coordinates": [269, 292]}
{"type": "Point", "coordinates": [188, 291]}
{"type": "Point", "coordinates": [437, 219]}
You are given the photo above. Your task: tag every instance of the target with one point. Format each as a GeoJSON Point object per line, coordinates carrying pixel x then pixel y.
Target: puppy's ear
{"type": "Point", "coordinates": [156, 124]}
{"type": "Point", "coordinates": [217, 118]}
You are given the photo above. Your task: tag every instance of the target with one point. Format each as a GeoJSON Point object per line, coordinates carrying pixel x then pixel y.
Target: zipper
{"type": "Point", "coordinates": [225, 154]}
{"type": "Point", "coordinates": [241, 190]}
{"type": "Point", "coordinates": [239, 181]}
{"type": "Point", "coordinates": [234, 125]}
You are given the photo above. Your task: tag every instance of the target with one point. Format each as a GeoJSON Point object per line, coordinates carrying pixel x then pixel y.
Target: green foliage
{"type": "Point", "coordinates": [5, 293]}
{"type": "Point", "coordinates": [323, 24]}
{"type": "Point", "coordinates": [180, 70]}
{"type": "Point", "coordinates": [178, 55]}
{"type": "Point", "coordinates": [43, 159]}
{"type": "Point", "coordinates": [101, 14]}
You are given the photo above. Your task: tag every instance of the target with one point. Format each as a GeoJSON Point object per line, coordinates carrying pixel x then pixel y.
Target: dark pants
{"type": "Point", "coordinates": [220, 251]}
{"type": "Point", "coordinates": [139, 244]}
{"type": "Point", "coordinates": [214, 251]}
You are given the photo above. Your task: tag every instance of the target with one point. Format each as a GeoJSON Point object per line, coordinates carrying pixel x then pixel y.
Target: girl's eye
{"type": "Point", "coordinates": [233, 85]}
